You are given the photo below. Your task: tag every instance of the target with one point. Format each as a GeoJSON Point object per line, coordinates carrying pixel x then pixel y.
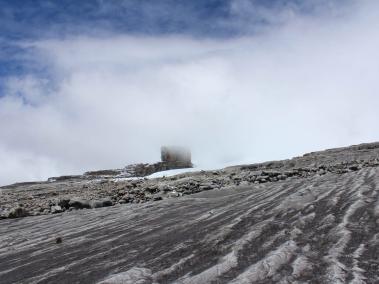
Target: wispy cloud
{"type": "Point", "coordinates": [308, 82]}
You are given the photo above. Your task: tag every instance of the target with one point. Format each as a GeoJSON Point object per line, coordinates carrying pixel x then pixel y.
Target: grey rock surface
{"type": "Point", "coordinates": [311, 219]}
{"type": "Point", "coordinates": [17, 212]}
{"type": "Point", "coordinates": [56, 209]}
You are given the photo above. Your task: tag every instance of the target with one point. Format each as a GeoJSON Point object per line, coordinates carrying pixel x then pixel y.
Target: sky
{"type": "Point", "coordinates": [98, 84]}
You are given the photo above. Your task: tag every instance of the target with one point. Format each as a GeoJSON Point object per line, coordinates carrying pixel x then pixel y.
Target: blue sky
{"type": "Point", "coordinates": [45, 18]}
{"type": "Point", "coordinates": [101, 84]}
{"type": "Point", "coordinates": [40, 19]}
{"type": "Point", "coordinates": [22, 21]}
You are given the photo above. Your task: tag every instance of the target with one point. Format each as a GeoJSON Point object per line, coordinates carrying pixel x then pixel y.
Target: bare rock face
{"type": "Point", "coordinates": [310, 219]}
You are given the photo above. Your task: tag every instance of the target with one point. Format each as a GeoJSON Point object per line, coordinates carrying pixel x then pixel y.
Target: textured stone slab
{"type": "Point", "coordinates": [319, 229]}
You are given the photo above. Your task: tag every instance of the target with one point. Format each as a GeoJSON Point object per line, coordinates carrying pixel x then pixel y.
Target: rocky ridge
{"type": "Point", "coordinates": [111, 187]}
{"type": "Point", "coordinates": [311, 219]}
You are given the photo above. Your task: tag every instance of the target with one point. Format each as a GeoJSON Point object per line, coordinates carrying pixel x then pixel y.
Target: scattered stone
{"type": "Point", "coordinates": [173, 193]}
{"type": "Point", "coordinates": [152, 189]}
{"type": "Point", "coordinates": [206, 186]}
{"type": "Point", "coordinates": [354, 168]}
{"type": "Point", "coordinates": [242, 183]}
{"type": "Point", "coordinates": [128, 198]}
{"type": "Point", "coordinates": [3, 214]}
{"type": "Point", "coordinates": [282, 177]}
{"type": "Point", "coordinates": [58, 240]}
{"type": "Point", "coordinates": [78, 192]}
{"type": "Point", "coordinates": [164, 188]}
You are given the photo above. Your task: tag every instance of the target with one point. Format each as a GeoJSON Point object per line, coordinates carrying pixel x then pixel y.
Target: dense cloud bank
{"type": "Point", "coordinates": [306, 82]}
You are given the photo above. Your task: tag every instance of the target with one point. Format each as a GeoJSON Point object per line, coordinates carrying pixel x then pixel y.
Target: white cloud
{"type": "Point", "coordinates": [310, 84]}
{"type": "Point", "coordinates": [25, 166]}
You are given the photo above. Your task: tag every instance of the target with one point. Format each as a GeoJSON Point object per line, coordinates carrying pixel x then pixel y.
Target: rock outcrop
{"type": "Point", "coordinates": [310, 219]}
{"type": "Point", "coordinates": [172, 158]}
{"type": "Point", "coordinates": [79, 192]}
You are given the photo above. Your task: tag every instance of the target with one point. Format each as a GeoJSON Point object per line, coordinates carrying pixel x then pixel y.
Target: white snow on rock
{"type": "Point", "coordinates": [134, 275]}
{"type": "Point", "coordinates": [173, 172]}
{"type": "Point", "coordinates": [161, 174]}
{"type": "Point", "coordinates": [268, 266]}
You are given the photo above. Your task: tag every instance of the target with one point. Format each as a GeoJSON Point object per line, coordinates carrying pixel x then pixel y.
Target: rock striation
{"type": "Point", "coordinates": [80, 192]}
{"type": "Point", "coordinates": [310, 219]}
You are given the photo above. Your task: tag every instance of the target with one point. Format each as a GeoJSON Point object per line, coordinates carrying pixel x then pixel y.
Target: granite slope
{"type": "Point", "coordinates": [311, 219]}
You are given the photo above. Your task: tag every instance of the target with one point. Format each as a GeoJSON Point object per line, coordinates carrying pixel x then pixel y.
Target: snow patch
{"type": "Point", "coordinates": [173, 172]}
{"type": "Point", "coordinates": [161, 174]}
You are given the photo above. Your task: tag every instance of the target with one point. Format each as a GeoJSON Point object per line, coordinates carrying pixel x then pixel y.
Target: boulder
{"type": "Point", "coordinates": [152, 189]}
{"type": "Point", "coordinates": [244, 183]}
{"type": "Point", "coordinates": [206, 186]}
{"type": "Point", "coordinates": [18, 212]}
{"type": "Point", "coordinates": [56, 209]}
{"type": "Point", "coordinates": [79, 203]}
{"type": "Point", "coordinates": [101, 203]}
{"type": "Point", "coordinates": [64, 203]}
{"type": "Point", "coordinates": [354, 168]}
{"type": "Point", "coordinates": [156, 198]}
{"type": "Point", "coordinates": [282, 177]}
{"type": "Point", "coordinates": [128, 198]}
{"type": "Point", "coordinates": [164, 188]}
{"type": "Point", "coordinates": [3, 215]}
{"type": "Point", "coordinates": [174, 193]}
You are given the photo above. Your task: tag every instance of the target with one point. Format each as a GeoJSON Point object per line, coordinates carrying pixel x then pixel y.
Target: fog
{"type": "Point", "coordinates": [305, 83]}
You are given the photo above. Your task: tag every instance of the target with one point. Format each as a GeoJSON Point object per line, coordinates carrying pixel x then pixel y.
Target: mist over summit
{"type": "Point", "coordinates": [294, 78]}
{"type": "Point", "coordinates": [236, 92]}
